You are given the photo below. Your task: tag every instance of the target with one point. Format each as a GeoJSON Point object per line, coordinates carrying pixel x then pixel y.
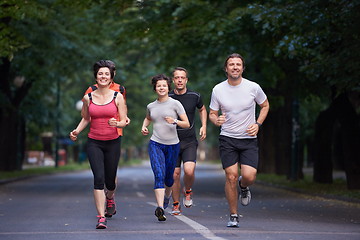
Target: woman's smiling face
{"type": "Point", "coordinates": [162, 88]}
{"type": "Point", "coordinates": [103, 76]}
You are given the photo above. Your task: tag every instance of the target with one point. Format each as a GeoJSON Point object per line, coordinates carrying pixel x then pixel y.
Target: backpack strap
{"type": "Point", "coordinates": [115, 94]}
{"type": "Point", "coordinates": [122, 90]}
{"type": "Point", "coordinates": [93, 87]}
{"type": "Point", "coordinates": [90, 97]}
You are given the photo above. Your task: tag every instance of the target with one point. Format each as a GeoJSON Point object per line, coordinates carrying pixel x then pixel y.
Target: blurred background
{"type": "Point", "coordinates": [304, 54]}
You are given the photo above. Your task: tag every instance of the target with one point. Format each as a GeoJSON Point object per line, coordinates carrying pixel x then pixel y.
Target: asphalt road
{"type": "Point", "coordinates": [61, 206]}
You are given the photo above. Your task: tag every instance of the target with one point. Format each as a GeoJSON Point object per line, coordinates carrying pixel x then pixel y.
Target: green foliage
{"type": "Point", "coordinates": [305, 50]}
{"type": "Point", "coordinates": [12, 39]}
{"type": "Point", "coordinates": [324, 41]}
{"type": "Point", "coordinates": [62, 43]}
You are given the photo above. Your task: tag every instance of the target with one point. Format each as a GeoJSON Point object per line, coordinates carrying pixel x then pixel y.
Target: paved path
{"type": "Point", "coordinates": [61, 206]}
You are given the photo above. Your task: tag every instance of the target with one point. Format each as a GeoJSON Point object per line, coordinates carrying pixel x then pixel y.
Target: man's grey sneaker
{"type": "Point", "coordinates": [110, 207]}
{"type": "Point", "coordinates": [233, 221]}
{"type": "Point", "coordinates": [166, 201]}
{"type": "Point", "coordinates": [187, 201]}
{"type": "Point", "coordinates": [245, 194]}
{"type": "Point", "coordinates": [159, 213]}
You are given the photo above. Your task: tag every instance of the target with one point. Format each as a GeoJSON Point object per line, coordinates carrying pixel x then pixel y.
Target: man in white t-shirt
{"type": "Point", "coordinates": [236, 98]}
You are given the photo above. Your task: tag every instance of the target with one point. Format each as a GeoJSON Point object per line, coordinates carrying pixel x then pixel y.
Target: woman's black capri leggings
{"type": "Point", "coordinates": [104, 159]}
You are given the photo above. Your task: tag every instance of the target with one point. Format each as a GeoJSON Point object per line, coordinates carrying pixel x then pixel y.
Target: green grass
{"type": "Point", "coordinates": [35, 171]}
{"type": "Point", "coordinates": [337, 189]}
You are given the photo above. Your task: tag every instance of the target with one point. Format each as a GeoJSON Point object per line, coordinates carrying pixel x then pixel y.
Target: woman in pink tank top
{"type": "Point", "coordinates": [101, 108]}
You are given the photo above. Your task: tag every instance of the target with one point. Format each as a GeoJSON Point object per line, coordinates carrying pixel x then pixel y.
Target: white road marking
{"type": "Point", "coordinates": [140, 194]}
{"type": "Point", "coordinates": [204, 231]}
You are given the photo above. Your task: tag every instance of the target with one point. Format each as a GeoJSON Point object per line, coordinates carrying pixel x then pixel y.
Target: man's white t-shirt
{"type": "Point", "coordinates": [238, 103]}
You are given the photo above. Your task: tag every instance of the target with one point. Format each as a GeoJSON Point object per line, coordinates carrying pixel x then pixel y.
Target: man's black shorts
{"type": "Point", "coordinates": [188, 152]}
{"type": "Point", "coordinates": [242, 151]}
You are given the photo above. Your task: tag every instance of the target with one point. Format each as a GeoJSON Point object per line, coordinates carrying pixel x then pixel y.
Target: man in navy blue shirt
{"type": "Point", "coordinates": [191, 101]}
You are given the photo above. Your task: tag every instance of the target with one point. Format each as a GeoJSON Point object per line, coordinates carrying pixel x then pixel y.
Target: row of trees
{"type": "Point", "coordinates": [303, 53]}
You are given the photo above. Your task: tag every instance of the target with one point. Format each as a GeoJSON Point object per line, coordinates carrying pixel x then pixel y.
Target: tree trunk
{"type": "Point", "coordinates": [11, 154]}
{"type": "Point", "coordinates": [267, 152]}
{"type": "Point", "coordinates": [275, 142]}
{"type": "Point", "coordinates": [341, 115]}
{"type": "Point", "coordinates": [322, 147]}
{"type": "Point", "coordinates": [12, 124]}
{"type": "Point", "coordinates": [350, 135]}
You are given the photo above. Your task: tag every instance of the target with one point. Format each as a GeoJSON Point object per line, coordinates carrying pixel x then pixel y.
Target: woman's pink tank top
{"type": "Point", "coordinates": [100, 115]}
